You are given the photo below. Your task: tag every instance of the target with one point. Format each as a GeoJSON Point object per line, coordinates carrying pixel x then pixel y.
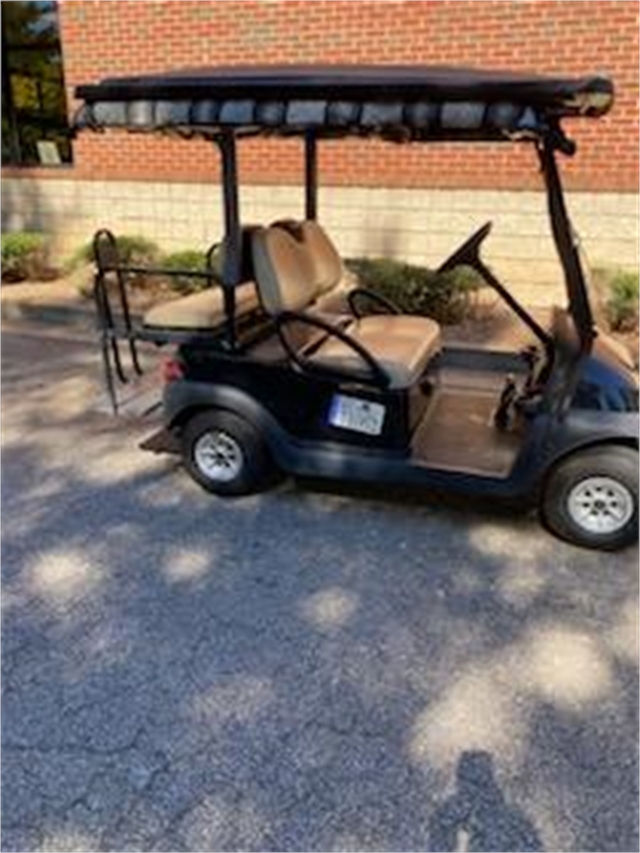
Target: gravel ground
{"type": "Point", "coordinates": [297, 670]}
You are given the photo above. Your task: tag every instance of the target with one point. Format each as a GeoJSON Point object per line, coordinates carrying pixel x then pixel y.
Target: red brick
{"type": "Point", "coordinates": [554, 36]}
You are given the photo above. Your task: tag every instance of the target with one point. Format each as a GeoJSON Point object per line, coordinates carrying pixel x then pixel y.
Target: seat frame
{"type": "Point", "coordinates": [118, 325]}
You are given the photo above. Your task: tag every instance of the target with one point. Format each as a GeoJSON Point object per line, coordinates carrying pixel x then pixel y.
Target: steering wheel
{"type": "Point", "coordinates": [468, 252]}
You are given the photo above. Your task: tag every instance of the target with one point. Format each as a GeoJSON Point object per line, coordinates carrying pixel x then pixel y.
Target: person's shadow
{"type": "Point", "coordinates": [477, 817]}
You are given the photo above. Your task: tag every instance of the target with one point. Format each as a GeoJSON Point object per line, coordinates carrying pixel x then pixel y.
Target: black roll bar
{"type": "Point", "coordinates": [565, 240]}
{"type": "Point", "coordinates": [232, 262]}
{"type": "Point", "coordinates": [310, 175]}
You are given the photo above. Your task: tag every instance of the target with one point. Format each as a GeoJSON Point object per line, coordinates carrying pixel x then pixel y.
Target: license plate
{"type": "Point", "coordinates": [357, 415]}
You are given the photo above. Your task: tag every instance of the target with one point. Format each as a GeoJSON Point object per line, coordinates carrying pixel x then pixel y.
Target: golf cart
{"type": "Point", "coordinates": [287, 364]}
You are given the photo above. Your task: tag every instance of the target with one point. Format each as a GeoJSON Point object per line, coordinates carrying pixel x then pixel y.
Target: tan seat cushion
{"type": "Point", "coordinates": [283, 271]}
{"type": "Point", "coordinates": [289, 278]}
{"type": "Point", "coordinates": [329, 272]}
{"type": "Point", "coordinates": [406, 325]}
{"type": "Point", "coordinates": [401, 353]}
{"type": "Point", "coordinates": [336, 300]}
{"type": "Point", "coordinates": [328, 269]}
{"type": "Point", "coordinates": [203, 310]}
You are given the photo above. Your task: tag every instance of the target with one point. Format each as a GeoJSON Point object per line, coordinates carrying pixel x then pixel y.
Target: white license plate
{"type": "Point", "coordinates": [357, 415]}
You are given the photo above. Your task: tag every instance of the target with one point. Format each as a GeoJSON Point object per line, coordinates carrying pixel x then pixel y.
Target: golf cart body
{"type": "Point", "coordinates": [280, 365]}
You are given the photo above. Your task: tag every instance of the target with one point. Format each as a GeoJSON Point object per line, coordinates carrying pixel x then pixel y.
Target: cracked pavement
{"type": "Point", "coordinates": [298, 670]}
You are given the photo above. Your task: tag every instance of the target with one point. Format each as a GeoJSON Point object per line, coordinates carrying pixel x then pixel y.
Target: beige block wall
{"type": "Point", "coordinates": [419, 226]}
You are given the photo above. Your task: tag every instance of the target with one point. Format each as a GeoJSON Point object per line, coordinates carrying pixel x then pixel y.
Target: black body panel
{"type": "Point", "coordinates": [290, 410]}
{"type": "Point", "coordinates": [607, 383]}
{"type": "Point", "coordinates": [298, 402]}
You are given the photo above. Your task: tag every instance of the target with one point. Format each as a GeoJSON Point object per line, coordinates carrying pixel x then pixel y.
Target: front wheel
{"type": "Point", "coordinates": [225, 454]}
{"type": "Point", "coordinates": [591, 498]}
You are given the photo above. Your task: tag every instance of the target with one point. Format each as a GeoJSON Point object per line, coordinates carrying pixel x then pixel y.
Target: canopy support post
{"type": "Point", "coordinates": [564, 238]}
{"type": "Point", "coordinates": [232, 262]}
{"type": "Point", "coordinates": [310, 175]}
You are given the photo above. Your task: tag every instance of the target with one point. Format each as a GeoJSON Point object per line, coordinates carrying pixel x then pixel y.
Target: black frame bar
{"type": "Point", "coordinates": [112, 331]}
{"type": "Point", "coordinates": [232, 264]}
{"type": "Point", "coordinates": [310, 176]}
{"type": "Point", "coordinates": [564, 238]}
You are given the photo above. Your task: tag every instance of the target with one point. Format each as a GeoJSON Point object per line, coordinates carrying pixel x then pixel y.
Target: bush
{"type": "Point", "coordinates": [190, 260]}
{"type": "Point", "coordinates": [622, 302]}
{"type": "Point", "coordinates": [24, 256]}
{"type": "Point", "coordinates": [134, 250]}
{"type": "Point", "coordinates": [444, 297]}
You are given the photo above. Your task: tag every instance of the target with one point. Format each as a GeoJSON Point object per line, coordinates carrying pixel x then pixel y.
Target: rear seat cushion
{"type": "Point", "coordinates": [203, 310]}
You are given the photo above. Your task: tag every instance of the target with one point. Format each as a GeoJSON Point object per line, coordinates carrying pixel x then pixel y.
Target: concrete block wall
{"type": "Point", "coordinates": [421, 226]}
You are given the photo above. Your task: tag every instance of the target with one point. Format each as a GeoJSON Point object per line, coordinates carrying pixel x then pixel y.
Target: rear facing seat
{"type": "Point", "coordinates": [290, 277]}
{"type": "Point", "coordinates": [204, 310]}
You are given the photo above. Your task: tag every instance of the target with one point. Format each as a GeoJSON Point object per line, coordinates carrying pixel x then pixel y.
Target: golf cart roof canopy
{"type": "Point", "coordinates": [400, 103]}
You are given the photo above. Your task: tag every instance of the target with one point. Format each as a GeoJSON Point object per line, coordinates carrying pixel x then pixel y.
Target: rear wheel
{"type": "Point", "coordinates": [225, 454]}
{"type": "Point", "coordinates": [591, 498]}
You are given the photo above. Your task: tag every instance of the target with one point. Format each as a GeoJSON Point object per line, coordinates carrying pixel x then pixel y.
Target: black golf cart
{"type": "Point", "coordinates": [286, 363]}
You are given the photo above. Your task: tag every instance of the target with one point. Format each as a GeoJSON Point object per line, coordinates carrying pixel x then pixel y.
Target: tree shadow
{"type": "Point", "coordinates": [477, 816]}
{"type": "Point", "coordinates": [187, 673]}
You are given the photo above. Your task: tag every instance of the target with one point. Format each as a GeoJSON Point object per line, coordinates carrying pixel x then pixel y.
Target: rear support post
{"type": "Point", "coordinates": [232, 262]}
{"type": "Point", "coordinates": [310, 176]}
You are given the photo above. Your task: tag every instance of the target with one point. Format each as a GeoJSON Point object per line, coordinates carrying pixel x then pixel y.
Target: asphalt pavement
{"type": "Point", "coordinates": [298, 670]}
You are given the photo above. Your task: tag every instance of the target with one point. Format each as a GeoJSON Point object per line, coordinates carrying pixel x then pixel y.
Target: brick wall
{"type": "Point", "coordinates": [562, 36]}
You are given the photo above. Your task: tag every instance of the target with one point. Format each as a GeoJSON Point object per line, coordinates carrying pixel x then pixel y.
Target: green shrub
{"type": "Point", "coordinates": [83, 255]}
{"type": "Point", "coordinates": [137, 251]}
{"type": "Point", "coordinates": [187, 260]}
{"type": "Point", "coordinates": [134, 250]}
{"type": "Point", "coordinates": [24, 256]}
{"type": "Point", "coordinates": [615, 298]}
{"type": "Point", "coordinates": [622, 302]}
{"type": "Point", "coordinates": [445, 297]}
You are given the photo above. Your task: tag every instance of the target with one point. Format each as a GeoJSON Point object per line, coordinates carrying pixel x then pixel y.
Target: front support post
{"type": "Point", "coordinates": [565, 241]}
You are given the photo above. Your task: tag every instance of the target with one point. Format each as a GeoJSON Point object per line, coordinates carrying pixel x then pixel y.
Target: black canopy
{"type": "Point", "coordinates": [402, 102]}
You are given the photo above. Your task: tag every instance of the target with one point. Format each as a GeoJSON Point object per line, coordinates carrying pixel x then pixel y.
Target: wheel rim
{"type": "Point", "coordinates": [600, 505]}
{"type": "Point", "coordinates": [218, 456]}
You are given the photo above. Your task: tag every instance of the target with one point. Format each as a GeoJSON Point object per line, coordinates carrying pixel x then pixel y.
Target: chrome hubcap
{"type": "Point", "coordinates": [600, 505]}
{"type": "Point", "coordinates": [218, 456]}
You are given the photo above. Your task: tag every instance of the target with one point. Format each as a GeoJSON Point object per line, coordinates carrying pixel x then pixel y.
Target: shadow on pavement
{"type": "Point", "coordinates": [477, 816]}
{"type": "Point", "coordinates": [295, 671]}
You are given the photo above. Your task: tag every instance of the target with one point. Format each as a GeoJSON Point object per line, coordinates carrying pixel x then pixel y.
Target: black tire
{"type": "Point", "coordinates": [256, 469]}
{"type": "Point", "coordinates": [577, 477]}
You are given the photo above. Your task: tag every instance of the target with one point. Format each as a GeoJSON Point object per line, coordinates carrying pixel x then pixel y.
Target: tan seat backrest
{"type": "Point", "coordinates": [328, 269]}
{"type": "Point", "coordinates": [327, 262]}
{"type": "Point", "coordinates": [283, 271]}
